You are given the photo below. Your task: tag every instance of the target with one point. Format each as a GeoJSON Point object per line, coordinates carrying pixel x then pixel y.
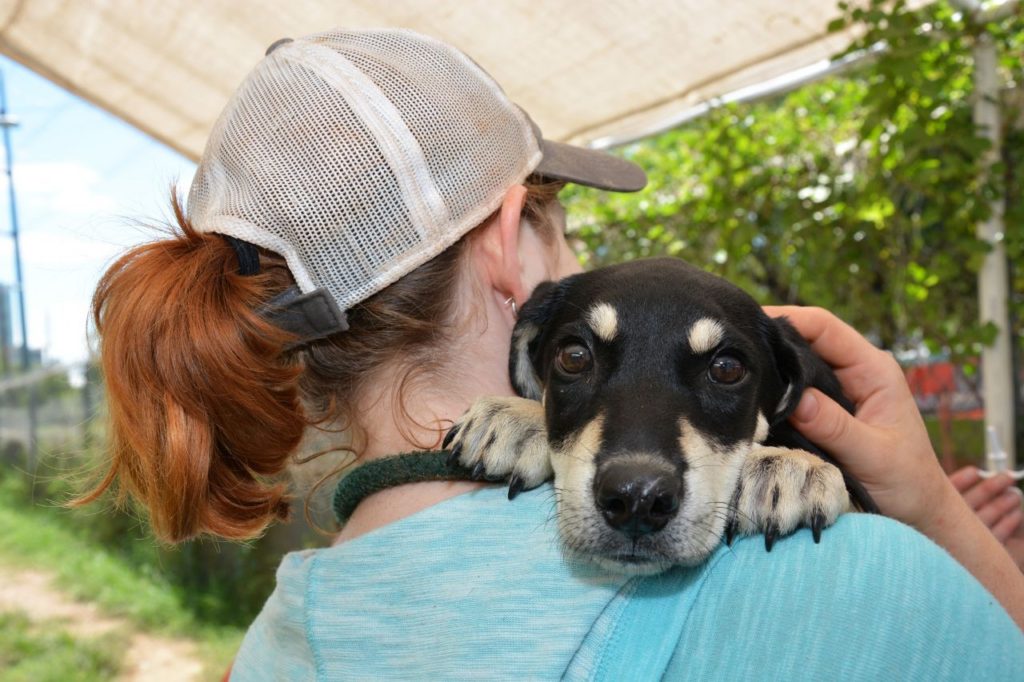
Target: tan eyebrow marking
{"type": "Point", "coordinates": [705, 334]}
{"type": "Point", "coordinates": [604, 321]}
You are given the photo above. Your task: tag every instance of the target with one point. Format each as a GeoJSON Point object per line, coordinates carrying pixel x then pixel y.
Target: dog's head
{"type": "Point", "coordinates": [656, 379]}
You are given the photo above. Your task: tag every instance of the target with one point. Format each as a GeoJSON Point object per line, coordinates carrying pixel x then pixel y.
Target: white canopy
{"type": "Point", "coordinates": [584, 69]}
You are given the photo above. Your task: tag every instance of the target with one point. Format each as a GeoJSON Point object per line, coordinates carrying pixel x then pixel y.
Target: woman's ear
{"type": "Point", "coordinates": [498, 245]}
{"type": "Point", "coordinates": [510, 222]}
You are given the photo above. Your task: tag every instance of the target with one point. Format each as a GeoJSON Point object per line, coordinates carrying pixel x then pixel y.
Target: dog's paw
{"type": "Point", "coordinates": [502, 438]}
{"type": "Point", "coordinates": [780, 489]}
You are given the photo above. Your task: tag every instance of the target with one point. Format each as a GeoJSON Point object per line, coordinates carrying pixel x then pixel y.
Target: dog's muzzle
{"type": "Point", "coordinates": [637, 498]}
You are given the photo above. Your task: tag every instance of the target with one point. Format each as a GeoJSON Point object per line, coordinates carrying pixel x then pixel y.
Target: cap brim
{"type": "Point", "coordinates": [585, 166]}
{"type": "Point", "coordinates": [589, 167]}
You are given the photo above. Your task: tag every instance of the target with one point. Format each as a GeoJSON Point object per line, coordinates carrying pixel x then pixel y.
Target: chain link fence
{"type": "Point", "coordinates": [52, 439]}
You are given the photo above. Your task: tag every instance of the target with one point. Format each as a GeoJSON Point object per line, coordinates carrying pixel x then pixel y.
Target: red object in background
{"type": "Point", "coordinates": [933, 379]}
{"type": "Point", "coordinates": [940, 388]}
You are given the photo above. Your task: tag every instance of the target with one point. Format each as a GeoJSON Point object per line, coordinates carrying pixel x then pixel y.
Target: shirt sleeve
{"type": "Point", "coordinates": [276, 646]}
{"type": "Point", "coordinates": [874, 600]}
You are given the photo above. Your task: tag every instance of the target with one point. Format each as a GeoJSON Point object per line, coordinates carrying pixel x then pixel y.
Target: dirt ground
{"type": "Point", "coordinates": [149, 657]}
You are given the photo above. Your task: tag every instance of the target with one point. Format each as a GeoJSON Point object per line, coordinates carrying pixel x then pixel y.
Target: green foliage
{"type": "Point", "coordinates": [967, 438]}
{"type": "Point", "coordinates": [221, 584]}
{"type": "Point", "coordinates": [208, 582]}
{"type": "Point", "coordinates": [30, 536]}
{"type": "Point", "coordinates": [43, 653]}
{"type": "Point", "coordinates": [859, 193]}
{"type": "Point", "coordinates": [128, 577]}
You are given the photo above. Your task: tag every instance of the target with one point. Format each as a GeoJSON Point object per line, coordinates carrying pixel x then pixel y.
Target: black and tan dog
{"type": "Point", "coordinates": [657, 396]}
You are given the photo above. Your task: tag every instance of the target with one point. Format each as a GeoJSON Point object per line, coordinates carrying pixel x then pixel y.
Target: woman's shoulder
{"type": "Point", "coordinates": [874, 595]}
{"type": "Point", "coordinates": [477, 567]}
{"type": "Point", "coordinates": [863, 564]}
{"type": "Point", "coordinates": [873, 599]}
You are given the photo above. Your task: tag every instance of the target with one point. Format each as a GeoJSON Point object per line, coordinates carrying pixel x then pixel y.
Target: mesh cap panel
{"type": "Point", "coordinates": [360, 156]}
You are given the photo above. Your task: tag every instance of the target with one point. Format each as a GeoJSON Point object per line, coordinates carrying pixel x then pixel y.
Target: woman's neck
{"type": "Point", "coordinates": [418, 420]}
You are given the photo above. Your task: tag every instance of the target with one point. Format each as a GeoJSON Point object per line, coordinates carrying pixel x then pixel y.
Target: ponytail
{"type": "Point", "coordinates": [204, 408]}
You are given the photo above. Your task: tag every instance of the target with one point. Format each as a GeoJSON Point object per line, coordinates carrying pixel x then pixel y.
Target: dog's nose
{"type": "Point", "coordinates": [636, 499]}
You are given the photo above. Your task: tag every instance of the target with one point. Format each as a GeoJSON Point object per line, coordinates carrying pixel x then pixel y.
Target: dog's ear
{"type": "Point", "coordinates": [798, 367]}
{"type": "Point", "coordinates": [784, 392]}
{"type": "Point", "coordinates": [524, 355]}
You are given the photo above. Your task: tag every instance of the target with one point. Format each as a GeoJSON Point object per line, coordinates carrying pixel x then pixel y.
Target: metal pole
{"type": "Point", "coordinates": [6, 334]}
{"type": "Point", "coordinates": [993, 284]}
{"type": "Point", "coordinates": [7, 122]}
{"type": "Point", "coordinates": [998, 390]}
{"type": "Point", "coordinates": [87, 405]}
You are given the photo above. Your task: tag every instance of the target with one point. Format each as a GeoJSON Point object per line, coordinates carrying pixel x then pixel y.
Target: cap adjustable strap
{"type": "Point", "coordinates": [248, 255]}
{"type": "Point", "coordinates": [309, 316]}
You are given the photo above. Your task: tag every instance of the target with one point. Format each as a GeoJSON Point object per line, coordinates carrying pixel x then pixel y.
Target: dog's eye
{"type": "Point", "coordinates": [574, 358]}
{"type": "Point", "coordinates": [726, 369]}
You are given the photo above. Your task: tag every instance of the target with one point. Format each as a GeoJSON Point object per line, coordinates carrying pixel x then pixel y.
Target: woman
{"type": "Point", "coordinates": [390, 179]}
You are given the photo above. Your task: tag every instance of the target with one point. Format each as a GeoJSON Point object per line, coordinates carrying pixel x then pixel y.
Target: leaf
{"type": "Point", "coordinates": [836, 25]}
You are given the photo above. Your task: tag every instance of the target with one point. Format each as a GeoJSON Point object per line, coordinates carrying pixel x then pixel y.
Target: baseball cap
{"type": "Point", "coordinates": [360, 155]}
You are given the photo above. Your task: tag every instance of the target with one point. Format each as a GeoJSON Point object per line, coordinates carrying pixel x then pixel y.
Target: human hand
{"type": "Point", "coordinates": [886, 445]}
{"type": "Point", "coordinates": [997, 502]}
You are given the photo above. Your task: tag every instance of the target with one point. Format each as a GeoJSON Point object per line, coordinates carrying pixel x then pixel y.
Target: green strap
{"type": "Point", "coordinates": [378, 474]}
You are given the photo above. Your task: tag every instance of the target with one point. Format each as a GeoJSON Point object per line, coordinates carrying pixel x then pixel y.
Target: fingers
{"type": "Point", "coordinates": [1006, 526]}
{"type": "Point", "coordinates": [964, 477]}
{"type": "Point", "coordinates": [862, 368]}
{"type": "Point", "coordinates": [984, 491]}
{"type": "Point", "coordinates": [825, 423]}
{"type": "Point", "coordinates": [836, 342]}
{"type": "Point", "coordinates": [996, 500]}
{"type": "Point", "coordinates": [1000, 508]}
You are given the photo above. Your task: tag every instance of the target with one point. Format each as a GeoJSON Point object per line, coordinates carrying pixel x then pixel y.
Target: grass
{"type": "Point", "coordinates": [88, 572]}
{"type": "Point", "coordinates": [43, 653]}
{"type": "Point", "coordinates": [33, 538]}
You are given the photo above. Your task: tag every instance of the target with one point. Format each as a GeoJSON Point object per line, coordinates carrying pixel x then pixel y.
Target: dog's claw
{"type": "Point", "coordinates": [515, 486]}
{"type": "Point", "coordinates": [449, 437]}
{"type": "Point", "coordinates": [817, 523]}
{"type": "Point", "coordinates": [730, 531]}
{"type": "Point", "coordinates": [478, 471]}
{"type": "Point", "coordinates": [770, 534]}
{"type": "Point", "coordinates": [453, 456]}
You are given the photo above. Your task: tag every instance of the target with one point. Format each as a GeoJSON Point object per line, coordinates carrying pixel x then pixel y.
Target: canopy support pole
{"type": "Point", "coordinates": [998, 381]}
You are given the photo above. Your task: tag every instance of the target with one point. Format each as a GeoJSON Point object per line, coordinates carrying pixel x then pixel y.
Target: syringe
{"type": "Point", "coordinates": [996, 461]}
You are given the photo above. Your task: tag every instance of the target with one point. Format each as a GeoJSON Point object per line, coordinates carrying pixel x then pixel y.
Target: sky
{"type": "Point", "coordinates": [83, 180]}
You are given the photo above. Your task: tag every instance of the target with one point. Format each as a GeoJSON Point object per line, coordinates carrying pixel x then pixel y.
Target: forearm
{"type": "Point", "coordinates": [956, 528]}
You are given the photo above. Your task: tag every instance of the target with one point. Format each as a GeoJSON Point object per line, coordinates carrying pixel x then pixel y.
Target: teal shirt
{"type": "Point", "coordinates": [477, 588]}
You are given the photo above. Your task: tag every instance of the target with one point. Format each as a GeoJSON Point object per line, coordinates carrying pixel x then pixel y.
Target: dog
{"type": "Point", "coordinates": [656, 395]}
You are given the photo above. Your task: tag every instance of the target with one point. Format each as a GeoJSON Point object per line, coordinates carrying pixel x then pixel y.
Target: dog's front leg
{"type": "Point", "coordinates": [503, 437]}
{"type": "Point", "coordinates": [780, 489]}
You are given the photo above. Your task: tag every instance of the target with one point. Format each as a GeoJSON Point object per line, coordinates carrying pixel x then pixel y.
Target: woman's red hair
{"type": "Point", "coordinates": [204, 409]}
